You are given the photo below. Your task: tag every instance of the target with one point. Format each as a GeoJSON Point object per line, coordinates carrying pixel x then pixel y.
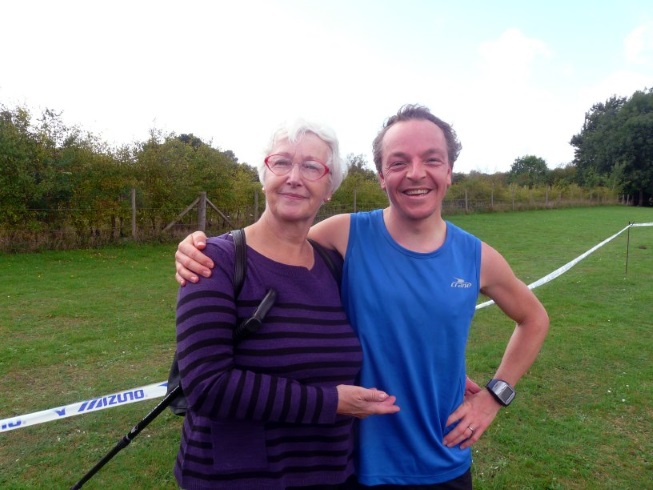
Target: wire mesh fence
{"type": "Point", "coordinates": [64, 229]}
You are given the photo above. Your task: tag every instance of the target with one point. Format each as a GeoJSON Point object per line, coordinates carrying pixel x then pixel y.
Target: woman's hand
{"type": "Point", "coordinates": [362, 402]}
{"type": "Point", "coordinates": [190, 261]}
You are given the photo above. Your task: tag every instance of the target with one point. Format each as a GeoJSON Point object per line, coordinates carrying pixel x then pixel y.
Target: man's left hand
{"type": "Point", "coordinates": [472, 417]}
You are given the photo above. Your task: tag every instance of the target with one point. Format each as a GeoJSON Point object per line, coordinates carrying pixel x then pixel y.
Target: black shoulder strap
{"type": "Point", "coordinates": [240, 266]}
{"type": "Point", "coordinates": [178, 403]}
{"type": "Point", "coordinates": [329, 261]}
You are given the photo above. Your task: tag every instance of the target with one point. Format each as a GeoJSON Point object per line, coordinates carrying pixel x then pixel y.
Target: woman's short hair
{"type": "Point", "coordinates": [295, 129]}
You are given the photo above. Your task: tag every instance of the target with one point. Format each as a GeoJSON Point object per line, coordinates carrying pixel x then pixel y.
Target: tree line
{"type": "Point", "coordinates": [615, 146]}
{"type": "Point", "coordinates": [56, 177]}
{"type": "Point", "coordinates": [60, 179]}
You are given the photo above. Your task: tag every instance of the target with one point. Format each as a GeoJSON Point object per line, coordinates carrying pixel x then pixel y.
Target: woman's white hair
{"type": "Point", "coordinates": [295, 129]}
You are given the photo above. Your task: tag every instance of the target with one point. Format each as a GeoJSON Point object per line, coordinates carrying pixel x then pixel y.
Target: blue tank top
{"type": "Point", "coordinates": [412, 312]}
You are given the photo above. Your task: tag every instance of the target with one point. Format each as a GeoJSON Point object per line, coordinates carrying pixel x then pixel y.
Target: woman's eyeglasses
{"type": "Point", "coordinates": [308, 169]}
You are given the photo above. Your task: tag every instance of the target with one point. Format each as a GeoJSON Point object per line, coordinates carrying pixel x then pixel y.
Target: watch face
{"type": "Point", "coordinates": [502, 391]}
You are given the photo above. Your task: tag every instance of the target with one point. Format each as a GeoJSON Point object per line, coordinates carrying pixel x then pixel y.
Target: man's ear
{"type": "Point", "coordinates": [381, 180]}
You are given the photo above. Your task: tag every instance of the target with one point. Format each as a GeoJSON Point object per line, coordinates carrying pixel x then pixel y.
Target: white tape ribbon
{"type": "Point", "coordinates": [155, 390]}
{"type": "Point", "coordinates": [158, 390]}
{"type": "Point", "coordinates": [558, 272]}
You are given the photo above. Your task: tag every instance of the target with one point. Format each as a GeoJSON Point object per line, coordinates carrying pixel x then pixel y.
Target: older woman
{"type": "Point", "coordinates": [275, 410]}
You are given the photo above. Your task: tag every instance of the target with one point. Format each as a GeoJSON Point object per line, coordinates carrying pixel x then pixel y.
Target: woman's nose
{"type": "Point", "coordinates": [295, 173]}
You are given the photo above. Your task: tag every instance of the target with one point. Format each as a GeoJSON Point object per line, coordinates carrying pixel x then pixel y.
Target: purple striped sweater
{"type": "Point", "coordinates": [263, 410]}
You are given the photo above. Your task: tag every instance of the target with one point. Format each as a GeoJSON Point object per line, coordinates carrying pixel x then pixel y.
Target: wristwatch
{"type": "Point", "coordinates": [501, 391]}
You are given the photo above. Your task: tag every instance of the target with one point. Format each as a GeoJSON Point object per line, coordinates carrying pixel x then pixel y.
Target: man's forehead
{"type": "Point", "coordinates": [414, 135]}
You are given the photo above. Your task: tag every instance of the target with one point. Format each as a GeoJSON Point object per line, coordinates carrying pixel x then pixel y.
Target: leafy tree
{"type": "Point", "coordinates": [528, 171]}
{"type": "Point", "coordinates": [474, 186]}
{"type": "Point", "coordinates": [230, 155]}
{"type": "Point", "coordinates": [172, 170]}
{"type": "Point", "coordinates": [636, 142]}
{"type": "Point", "coordinates": [246, 184]}
{"type": "Point", "coordinates": [36, 174]}
{"type": "Point", "coordinates": [563, 176]}
{"type": "Point", "coordinates": [20, 155]}
{"type": "Point", "coordinates": [361, 186]}
{"type": "Point", "coordinates": [594, 147]}
{"type": "Point", "coordinates": [615, 145]}
{"type": "Point", "coordinates": [190, 139]}
{"type": "Point", "coordinates": [458, 178]}
{"type": "Point", "coordinates": [357, 165]}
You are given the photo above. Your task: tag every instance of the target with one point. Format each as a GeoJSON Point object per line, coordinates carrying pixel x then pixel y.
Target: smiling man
{"type": "Point", "coordinates": [410, 286]}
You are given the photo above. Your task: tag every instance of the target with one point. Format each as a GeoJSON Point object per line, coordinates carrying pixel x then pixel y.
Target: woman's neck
{"type": "Point", "coordinates": [282, 242]}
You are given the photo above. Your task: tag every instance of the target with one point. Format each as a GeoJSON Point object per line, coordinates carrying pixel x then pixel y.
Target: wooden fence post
{"type": "Point", "coordinates": [492, 198]}
{"type": "Point", "coordinates": [201, 211]}
{"type": "Point", "coordinates": [133, 199]}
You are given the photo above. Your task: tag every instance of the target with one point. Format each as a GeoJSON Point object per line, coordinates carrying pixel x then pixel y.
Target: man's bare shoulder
{"type": "Point", "coordinates": [333, 232]}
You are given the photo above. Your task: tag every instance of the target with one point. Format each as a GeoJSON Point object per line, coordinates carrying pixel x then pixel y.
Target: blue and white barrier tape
{"type": "Point", "coordinates": [550, 277]}
{"type": "Point", "coordinates": [158, 390]}
{"type": "Point", "coordinates": [155, 390]}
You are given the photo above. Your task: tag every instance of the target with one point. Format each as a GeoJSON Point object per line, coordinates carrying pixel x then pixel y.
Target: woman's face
{"type": "Point", "coordinates": [292, 197]}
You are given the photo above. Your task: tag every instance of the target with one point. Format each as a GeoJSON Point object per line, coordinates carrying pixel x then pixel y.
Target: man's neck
{"type": "Point", "coordinates": [419, 235]}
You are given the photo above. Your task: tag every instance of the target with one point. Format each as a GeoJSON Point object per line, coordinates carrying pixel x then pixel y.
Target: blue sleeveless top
{"type": "Point", "coordinates": [412, 312]}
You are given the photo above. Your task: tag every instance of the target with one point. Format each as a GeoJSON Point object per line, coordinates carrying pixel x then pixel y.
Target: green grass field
{"type": "Point", "coordinates": [81, 324]}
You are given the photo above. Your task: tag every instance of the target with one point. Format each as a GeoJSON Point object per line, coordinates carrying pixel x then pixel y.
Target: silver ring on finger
{"type": "Point", "coordinates": [471, 429]}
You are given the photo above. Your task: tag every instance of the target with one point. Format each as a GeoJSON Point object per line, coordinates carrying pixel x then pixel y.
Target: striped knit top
{"type": "Point", "coordinates": [262, 411]}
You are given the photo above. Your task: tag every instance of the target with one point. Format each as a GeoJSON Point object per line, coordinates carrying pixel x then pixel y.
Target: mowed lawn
{"type": "Point", "coordinates": [81, 324]}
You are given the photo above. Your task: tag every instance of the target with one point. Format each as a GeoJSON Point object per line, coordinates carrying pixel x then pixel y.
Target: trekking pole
{"type": "Point", "coordinates": [124, 442]}
{"type": "Point", "coordinates": [250, 325]}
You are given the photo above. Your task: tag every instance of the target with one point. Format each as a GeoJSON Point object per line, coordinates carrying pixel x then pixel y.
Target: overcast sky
{"type": "Point", "coordinates": [514, 78]}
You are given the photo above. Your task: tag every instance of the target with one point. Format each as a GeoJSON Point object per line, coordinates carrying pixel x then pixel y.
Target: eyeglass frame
{"type": "Point", "coordinates": [327, 170]}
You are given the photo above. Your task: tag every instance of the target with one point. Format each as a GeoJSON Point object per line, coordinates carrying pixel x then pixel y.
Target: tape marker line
{"type": "Point", "coordinates": [550, 277]}
{"type": "Point", "coordinates": [157, 390]}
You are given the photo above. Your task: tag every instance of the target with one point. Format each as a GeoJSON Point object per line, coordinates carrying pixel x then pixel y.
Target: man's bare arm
{"type": "Point", "coordinates": [499, 283]}
{"type": "Point", "coordinates": [332, 233]}
{"type": "Point", "coordinates": [191, 263]}
{"type": "Point", "coordinates": [521, 305]}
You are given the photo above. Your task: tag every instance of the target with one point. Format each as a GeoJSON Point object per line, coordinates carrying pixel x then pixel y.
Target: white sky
{"type": "Point", "coordinates": [514, 78]}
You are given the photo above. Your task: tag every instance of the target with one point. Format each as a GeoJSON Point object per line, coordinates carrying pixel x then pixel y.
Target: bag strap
{"type": "Point", "coordinates": [328, 260]}
{"type": "Point", "coordinates": [240, 266]}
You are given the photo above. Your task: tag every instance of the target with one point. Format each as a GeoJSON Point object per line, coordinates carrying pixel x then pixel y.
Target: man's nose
{"type": "Point", "coordinates": [416, 170]}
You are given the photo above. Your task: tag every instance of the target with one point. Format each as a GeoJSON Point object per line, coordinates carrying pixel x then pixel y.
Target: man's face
{"type": "Point", "coordinates": [415, 168]}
